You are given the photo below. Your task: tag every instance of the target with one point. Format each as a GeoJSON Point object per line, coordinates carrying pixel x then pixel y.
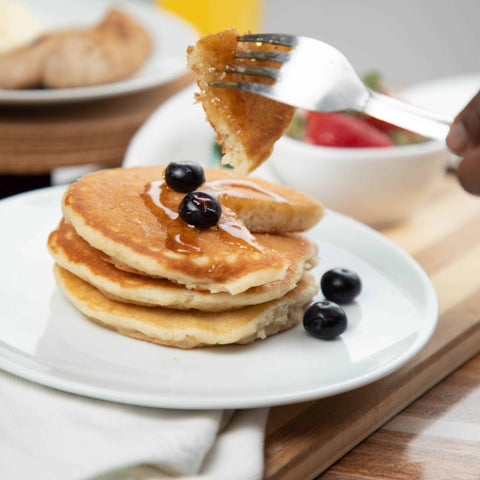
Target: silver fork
{"type": "Point", "coordinates": [315, 76]}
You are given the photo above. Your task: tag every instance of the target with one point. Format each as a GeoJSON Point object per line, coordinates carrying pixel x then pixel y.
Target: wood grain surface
{"type": "Point", "coordinates": [438, 436]}
{"type": "Point", "coordinates": [37, 139]}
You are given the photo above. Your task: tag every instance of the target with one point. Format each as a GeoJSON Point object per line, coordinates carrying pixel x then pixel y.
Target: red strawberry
{"type": "Point", "coordinates": [342, 130]}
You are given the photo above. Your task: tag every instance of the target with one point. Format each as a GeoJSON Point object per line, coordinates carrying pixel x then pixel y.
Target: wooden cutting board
{"type": "Point", "coordinates": [37, 139]}
{"type": "Point", "coordinates": [443, 235]}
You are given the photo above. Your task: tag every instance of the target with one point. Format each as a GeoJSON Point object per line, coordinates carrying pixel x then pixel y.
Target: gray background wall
{"type": "Point", "coordinates": [409, 40]}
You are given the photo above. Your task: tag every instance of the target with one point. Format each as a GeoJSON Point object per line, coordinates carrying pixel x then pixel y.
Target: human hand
{"type": "Point", "coordinates": [464, 140]}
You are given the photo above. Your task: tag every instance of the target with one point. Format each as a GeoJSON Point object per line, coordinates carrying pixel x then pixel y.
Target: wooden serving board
{"type": "Point", "coordinates": [37, 139]}
{"type": "Point", "coordinates": [443, 235]}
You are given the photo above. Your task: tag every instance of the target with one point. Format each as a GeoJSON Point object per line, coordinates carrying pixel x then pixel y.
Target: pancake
{"type": "Point", "coordinates": [131, 215]}
{"type": "Point", "coordinates": [74, 254]}
{"type": "Point", "coordinates": [190, 328]}
{"type": "Point", "coordinates": [246, 125]}
{"type": "Point", "coordinates": [265, 207]}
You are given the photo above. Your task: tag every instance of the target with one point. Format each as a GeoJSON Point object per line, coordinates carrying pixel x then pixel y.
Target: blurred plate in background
{"type": "Point", "coordinates": [170, 35]}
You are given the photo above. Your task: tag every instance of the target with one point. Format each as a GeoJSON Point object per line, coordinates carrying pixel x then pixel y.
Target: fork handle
{"type": "Point", "coordinates": [407, 116]}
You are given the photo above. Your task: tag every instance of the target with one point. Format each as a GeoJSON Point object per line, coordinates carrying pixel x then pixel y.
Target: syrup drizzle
{"type": "Point", "coordinates": [183, 238]}
{"type": "Point", "coordinates": [233, 227]}
{"type": "Point", "coordinates": [233, 187]}
{"type": "Point", "coordinates": [155, 192]}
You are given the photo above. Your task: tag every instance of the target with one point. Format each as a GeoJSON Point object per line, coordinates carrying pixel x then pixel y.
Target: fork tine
{"type": "Point", "coordinates": [264, 55]}
{"type": "Point", "coordinates": [253, 87]}
{"type": "Point", "coordinates": [273, 38]}
{"type": "Point", "coordinates": [253, 70]}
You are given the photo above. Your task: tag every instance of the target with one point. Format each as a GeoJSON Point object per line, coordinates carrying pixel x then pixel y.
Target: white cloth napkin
{"type": "Point", "coordinates": [47, 434]}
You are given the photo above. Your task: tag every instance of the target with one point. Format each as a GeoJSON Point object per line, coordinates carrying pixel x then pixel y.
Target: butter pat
{"type": "Point", "coordinates": [18, 25]}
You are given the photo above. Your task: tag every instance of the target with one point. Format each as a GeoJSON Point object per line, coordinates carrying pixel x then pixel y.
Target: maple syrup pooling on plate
{"type": "Point", "coordinates": [181, 237]}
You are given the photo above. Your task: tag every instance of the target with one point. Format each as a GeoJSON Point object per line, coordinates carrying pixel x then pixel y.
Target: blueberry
{"type": "Point", "coordinates": [184, 177]}
{"type": "Point", "coordinates": [341, 285]}
{"type": "Point", "coordinates": [325, 320]}
{"type": "Point", "coordinates": [200, 209]}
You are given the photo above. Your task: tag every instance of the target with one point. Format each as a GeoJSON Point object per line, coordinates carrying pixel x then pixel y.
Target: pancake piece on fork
{"type": "Point", "coordinates": [247, 125]}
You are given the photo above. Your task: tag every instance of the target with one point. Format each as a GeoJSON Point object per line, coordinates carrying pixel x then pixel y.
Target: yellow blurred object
{"type": "Point", "coordinates": [211, 16]}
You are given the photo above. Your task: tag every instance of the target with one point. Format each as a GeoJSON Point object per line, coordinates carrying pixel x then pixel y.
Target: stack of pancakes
{"type": "Point", "coordinates": [127, 261]}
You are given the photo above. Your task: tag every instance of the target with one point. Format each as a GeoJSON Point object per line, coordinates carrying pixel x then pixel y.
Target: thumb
{"type": "Point", "coordinates": [469, 171]}
{"type": "Point", "coordinates": [465, 130]}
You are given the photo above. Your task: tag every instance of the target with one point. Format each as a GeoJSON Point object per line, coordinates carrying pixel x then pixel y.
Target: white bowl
{"type": "Point", "coordinates": [377, 186]}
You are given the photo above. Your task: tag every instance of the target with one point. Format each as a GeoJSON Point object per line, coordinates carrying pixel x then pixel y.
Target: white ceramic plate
{"type": "Point", "coordinates": [170, 34]}
{"type": "Point", "coordinates": [446, 96]}
{"type": "Point", "coordinates": [44, 339]}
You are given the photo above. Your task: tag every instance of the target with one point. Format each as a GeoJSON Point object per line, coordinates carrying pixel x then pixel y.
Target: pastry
{"type": "Point", "coordinates": [115, 48]}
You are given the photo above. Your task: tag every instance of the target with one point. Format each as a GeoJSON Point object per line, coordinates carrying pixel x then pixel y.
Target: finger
{"type": "Point", "coordinates": [465, 130]}
{"type": "Point", "coordinates": [469, 171]}
{"type": "Point", "coordinates": [457, 138]}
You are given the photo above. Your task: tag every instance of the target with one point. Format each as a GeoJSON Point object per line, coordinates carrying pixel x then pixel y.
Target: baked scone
{"type": "Point", "coordinates": [188, 328]}
{"type": "Point", "coordinates": [74, 254]}
{"type": "Point", "coordinates": [246, 125]}
{"type": "Point", "coordinates": [131, 216]}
